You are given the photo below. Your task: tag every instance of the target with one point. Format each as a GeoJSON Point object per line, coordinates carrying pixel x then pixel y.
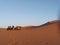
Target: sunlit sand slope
{"type": "Point", "coordinates": [44, 35]}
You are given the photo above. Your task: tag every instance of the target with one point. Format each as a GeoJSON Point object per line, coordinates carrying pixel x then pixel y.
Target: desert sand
{"type": "Point", "coordinates": [46, 34]}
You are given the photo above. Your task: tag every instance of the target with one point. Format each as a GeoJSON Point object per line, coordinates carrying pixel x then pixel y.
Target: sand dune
{"type": "Point", "coordinates": [47, 34]}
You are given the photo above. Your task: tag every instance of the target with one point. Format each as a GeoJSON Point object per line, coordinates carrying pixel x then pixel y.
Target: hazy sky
{"type": "Point", "coordinates": [27, 12]}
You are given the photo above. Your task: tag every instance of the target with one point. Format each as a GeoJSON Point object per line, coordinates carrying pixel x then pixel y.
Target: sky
{"type": "Point", "coordinates": [28, 12]}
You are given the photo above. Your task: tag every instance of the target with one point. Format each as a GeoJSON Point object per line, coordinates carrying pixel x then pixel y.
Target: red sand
{"type": "Point", "coordinates": [44, 35]}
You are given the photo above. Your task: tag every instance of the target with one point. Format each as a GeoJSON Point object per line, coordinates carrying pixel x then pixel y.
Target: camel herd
{"type": "Point", "coordinates": [14, 28]}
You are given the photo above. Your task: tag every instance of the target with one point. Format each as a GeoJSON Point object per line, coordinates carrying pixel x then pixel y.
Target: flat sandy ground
{"type": "Point", "coordinates": [45, 35]}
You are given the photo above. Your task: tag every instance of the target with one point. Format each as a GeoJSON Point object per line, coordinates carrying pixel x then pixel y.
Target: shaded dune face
{"type": "Point", "coordinates": [44, 35]}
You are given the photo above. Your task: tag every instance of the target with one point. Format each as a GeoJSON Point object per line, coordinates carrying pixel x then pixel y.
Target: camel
{"type": "Point", "coordinates": [9, 28]}
{"type": "Point", "coordinates": [14, 28]}
{"type": "Point", "coordinates": [17, 28]}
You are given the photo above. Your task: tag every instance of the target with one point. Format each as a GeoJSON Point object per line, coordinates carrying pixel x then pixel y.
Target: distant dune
{"type": "Point", "coordinates": [46, 34]}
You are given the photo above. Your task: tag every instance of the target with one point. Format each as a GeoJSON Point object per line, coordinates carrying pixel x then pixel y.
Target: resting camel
{"type": "Point", "coordinates": [17, 28]}
{"type": "Point", "coordinates": [14, 28]}
{"type": "Point", "coordinates": [10, 28]}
